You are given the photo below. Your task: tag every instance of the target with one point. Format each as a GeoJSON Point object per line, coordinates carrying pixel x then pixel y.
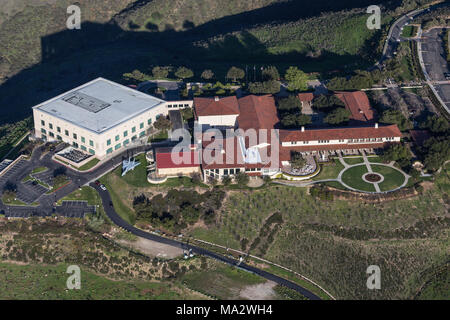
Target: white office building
{"type": "Point", "coordinates": [99, 117]}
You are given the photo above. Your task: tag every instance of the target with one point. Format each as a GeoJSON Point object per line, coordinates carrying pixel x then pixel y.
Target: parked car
{"type": "Point", "coordinates": [103, 187]}
{"type": "Point", "coordinates": [97, 182]}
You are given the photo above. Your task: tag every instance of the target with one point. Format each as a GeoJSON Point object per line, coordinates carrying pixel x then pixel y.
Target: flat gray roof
{"type": "Point", "coordinates": [99, 105]}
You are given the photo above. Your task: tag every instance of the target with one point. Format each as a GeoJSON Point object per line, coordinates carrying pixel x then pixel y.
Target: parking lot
{"type": "Point", "coordinates": [74, 209]}
{"type": "Point", "coordinates": [45, 176]}
{"type": "Point", "coordinates": [12, 171]}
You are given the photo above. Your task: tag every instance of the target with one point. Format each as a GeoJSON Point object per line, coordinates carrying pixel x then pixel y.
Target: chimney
{"type": "Point", "coordinates": [376, 125]}
{"type": "Point", "coordinates": [216, 98]}
{"type": "Point", "coordinates": [303, 129]}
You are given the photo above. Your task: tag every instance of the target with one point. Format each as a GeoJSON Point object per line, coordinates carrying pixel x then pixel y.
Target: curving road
{"type": "Point", "coordinates": [112, 214]}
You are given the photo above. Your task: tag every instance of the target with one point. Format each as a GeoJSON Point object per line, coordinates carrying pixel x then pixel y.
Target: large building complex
{"type": "Point", "coordinates": [270, 152]}
{"type": "Point", "coordinates": [98, 117]}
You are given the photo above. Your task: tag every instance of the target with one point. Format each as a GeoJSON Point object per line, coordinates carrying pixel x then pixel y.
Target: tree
{"type": "Point", "coordinates": [297, 161]}
{"type": "Point", "coordinates": [10, 186]}
{"type": "Point", "coordinates": [338, 116]}
{"type": "Point", "coordinates": [289, 120]}
{"type": "Point", "coordinates": [270, 86]}
{"type": "Point", "coordinates": [184, 73]}
{"type": "Point", "coordinates": [291, 103]}
{"type": "Point", "coordinates": [297, 79]}
{"type": "Point", "coordinates": [303, 119]}
{"type": "Point", "coordinates": [162, 123]}
{"type": "Point", "coordinates": [436, 124]}
{"type": "Point", "coordinates": [226, 180]}
{"type": "Point", "coordinates": [437, 152]}
{"type": "Point", "coordinates": [327, 102]}
{"type": "Point", "coordinates": [397, 152]}
{"type": "Point", "coordinates": [242, 178]}
{"type": "Point", "coordinates": [160, 72]}
{"type": "Point", "coordinates": [270, 73]}
{"type": "Point", "coordinates": [207, 74]}
{"type": "Point", "coordinates": [235, 73]}
{"type": "Point", "coordinates": [196, 177]}
{"type": "Point", "coordinates": [396, 117]}
{"type": "Point", "coordinates": [60, 171]}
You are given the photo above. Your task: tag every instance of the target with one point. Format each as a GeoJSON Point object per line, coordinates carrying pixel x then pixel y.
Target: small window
{"type": "Point", "coordinates": [117, 146]}
{"type": "Point", "coordinates": [149, 121]}
{"type": "Point", "coordinates": [42, 122]}
{"type": "Point", "coordinates": [110, 150]}
{"type": "Point", "coordinates": [43, 130]}
{"type": "Point", "coordinates": [141, 125]}
{"type": "Point", "coordinates": [58, 129]}
{"type": "Point", "coordinates": [51, 134]}
{"type": "Point", "coordinates": [133, 130]}
{"type": "Point", "coordinates": [142, 134]}
{"type": "Point", "coordinates": [126, 142]}
{"type": "Point", "coordinates": [66, 132]}
{"type": "Point", "coordinates": [83, 148]}
{"type": "Point", "coordinates": [83, 140]}
{"type": "Point", "coordinates": [108, 142]}
{"type": "Point", "coordinates": [59, 137]}
{"type": "Point", "coordinates": [91, 151]}
{"type": "Point", "coordinates": [75, 136]}
{"type": "Point", "coordinates": [75, 144]}
{"type": "Point", "coordinates": [50, 126]}
{"type": "Point", "coordinates": [117, 138]}
{"type": "Point", "coordinates": [91, 143]}
{"type": "Point", "coordinates": [125, 133]}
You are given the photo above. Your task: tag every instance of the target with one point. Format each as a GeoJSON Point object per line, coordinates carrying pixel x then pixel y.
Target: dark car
{"type": "Point", "coordinates": [97, 182]}
{"type": "Point", "coordinates": [110, 204]}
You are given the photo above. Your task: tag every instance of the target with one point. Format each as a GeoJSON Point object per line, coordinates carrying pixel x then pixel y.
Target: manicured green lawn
{"type": "Point", "coordinates": [392, 178]}
{"type": "Point", "coordinates": [160, 136]}
{"type": "Point", "coordinates": [353, 178]}
{"type": "Point", "coordinates": [375, 159]}
{"type": "Point", "coordinates": [59, 182]}
{"type": "Point", "coordinates": [329, 170]}
{"type": "Point", "coordinates": [10, 198]}
{"type": "Point", "coordinates": [137, 177]}
{"type": "Point", "coordinates": [39, 169]}
{"type": "Point", "coordinates": [409, 31]}
{"type": "Point", "coordinates": [351, 161]}
{"type": "Point", "coordinates": [89, 165]}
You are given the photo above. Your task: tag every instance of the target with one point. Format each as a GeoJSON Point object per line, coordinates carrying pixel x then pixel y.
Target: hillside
{"type": "Point", "coordinates": [37, 52]}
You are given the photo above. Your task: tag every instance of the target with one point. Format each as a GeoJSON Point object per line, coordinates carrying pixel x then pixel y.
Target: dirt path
{"type": "Point", "coordinates": [262, 291]}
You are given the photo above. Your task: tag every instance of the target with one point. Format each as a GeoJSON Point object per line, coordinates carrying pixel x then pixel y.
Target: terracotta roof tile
{"type": "Point", "coordinates": [215, 106]}
{"type": "Point", "coordinates": [358, 104]}
{"type": "Point", "coordinates": [340, 133]}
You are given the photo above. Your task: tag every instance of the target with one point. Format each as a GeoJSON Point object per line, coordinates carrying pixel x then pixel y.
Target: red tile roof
{"type": "Point", "coordinates": [358, 104]}
{"type": "Point", "coordinates": [216, 106]}
{"type": "Point", "coordinates": [166, 159]}
{"type": "Point", "coordinates": [340, 133]}
{"type": "Point", "coordinates": [351, 146]}
{"type": "Point", "coordinates": [257, 112]}
{"type": "Point", "coordinates": [306, 97]}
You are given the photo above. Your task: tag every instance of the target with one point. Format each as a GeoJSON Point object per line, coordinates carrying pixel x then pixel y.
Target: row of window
{"type": "Point", "coordinates": [348, 141]}
{"type": "Point", "coordinates": [133, 130]}
{"type": "Point", "coordinates": [66, 132]}
{"type": "Point", "coordinates": [177, 106]}
{"type": "Point", "coordinates": [91, 143]}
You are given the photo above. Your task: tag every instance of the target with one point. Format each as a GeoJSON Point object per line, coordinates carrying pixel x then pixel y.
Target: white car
{"type": "Point", "coordinates": [103, 187]}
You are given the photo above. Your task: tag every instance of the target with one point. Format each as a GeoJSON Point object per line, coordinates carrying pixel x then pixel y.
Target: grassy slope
{"type": "Point", "coordinates": [338, 260]}
{"type": "Point", "coordinates": [34, 265]}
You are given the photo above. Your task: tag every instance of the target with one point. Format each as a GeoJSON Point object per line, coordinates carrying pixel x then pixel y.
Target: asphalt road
{"type": "Point", "coordinates": [112, 214]}
{"type": "Point", "coordinates": [436, 65]}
